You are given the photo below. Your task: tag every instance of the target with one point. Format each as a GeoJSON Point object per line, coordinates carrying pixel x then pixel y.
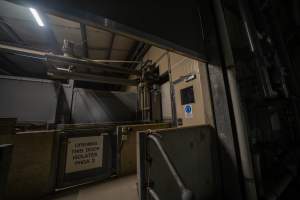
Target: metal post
{"type": "Point", "coordinates": [172, 93]}
{"type": "Point", "coordinates": [240, 123]}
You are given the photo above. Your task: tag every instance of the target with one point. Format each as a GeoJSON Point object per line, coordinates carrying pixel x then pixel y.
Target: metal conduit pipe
{"type": "Point", "coordinates": [153, 193]}
{"type": "Point", "coordinates": [242, 132]}
{"type": "Point", "coordinates": [240, 123]}
{"type": "Point", "coordinates": [186, 194]}
{"type": "Point", "coordinates": [117, 61]}
{"type": "Point", "coordinates": [52, 58]}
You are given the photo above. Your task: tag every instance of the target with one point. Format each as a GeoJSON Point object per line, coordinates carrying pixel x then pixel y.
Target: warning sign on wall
{"type": "Point", "coordinates": [188, 111]}
{"type": "Point", "coordinates": [84, 153]}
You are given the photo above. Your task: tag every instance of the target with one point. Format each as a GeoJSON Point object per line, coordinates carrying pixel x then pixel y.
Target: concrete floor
{"type": "Point", "coordinates": [124, 188]}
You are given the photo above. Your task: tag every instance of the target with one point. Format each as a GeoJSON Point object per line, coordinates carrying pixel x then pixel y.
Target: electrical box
{"type": "Point", "coordinates": [192, 95]}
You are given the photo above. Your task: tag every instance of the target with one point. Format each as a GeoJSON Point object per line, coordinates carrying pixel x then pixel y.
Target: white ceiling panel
{"type": "Point", "coordinates": [119, 55]}
{"type": "Point", "coordinates": [98, 38]}
{"type": "Point", "coordinates": [65, 29]}
{"type": "Point", "coordinates": [122, 42]}
{"type": "Point", "coordinates": [98, 55]}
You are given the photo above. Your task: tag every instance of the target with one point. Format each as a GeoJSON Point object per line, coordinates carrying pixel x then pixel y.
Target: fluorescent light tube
{"type": "Point", "coordinates": [37, 17]}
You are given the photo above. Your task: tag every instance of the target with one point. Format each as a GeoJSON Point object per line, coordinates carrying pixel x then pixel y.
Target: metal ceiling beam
{"type": "Point", "coordinates": [85, 47]}
{"type": "Point", "coordinates": [52, 58]}
{"type": "Point", "coordinates": [138, 53]}
{"type": "Point", "coordinates": [5, 48]}
{"type": "Point", "coordinates": [133, 53]}
{"type": "Point", "coordinates": [60, 74]}
{"type": "Point", "coordinates": [88, 63]}
{"type": "Point", "coordinates": [111, 45]}
{"type": "Point", "coordinates": [107, 49]}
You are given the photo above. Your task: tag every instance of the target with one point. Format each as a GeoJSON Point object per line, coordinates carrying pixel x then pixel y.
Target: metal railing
{"type": "Point", "coordinates": [186, 194]}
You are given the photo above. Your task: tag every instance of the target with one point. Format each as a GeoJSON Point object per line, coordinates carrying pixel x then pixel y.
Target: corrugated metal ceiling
{"type": "Point", "coordinates": [19, 28]}
{"type": "Point", "coordinates": [101, 44]}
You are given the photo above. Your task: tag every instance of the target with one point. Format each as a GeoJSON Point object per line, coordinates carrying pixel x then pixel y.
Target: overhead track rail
{"type": "Point", "coordinates": [52, 58]}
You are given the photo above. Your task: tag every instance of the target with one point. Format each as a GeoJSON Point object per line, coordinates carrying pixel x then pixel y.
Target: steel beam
{"type": "Point", "coordinates": [5, 48]}
{"type": "Point", "coordinates": [237, 107]}
{"type": "Point", "coordinates": [90, 63]}
{"type": "Point", "coordinates": [137, 53]}
{"type": "Point", "coordinates": [107, 49]}
{"type": "Point", "coordinates": [52, 58]}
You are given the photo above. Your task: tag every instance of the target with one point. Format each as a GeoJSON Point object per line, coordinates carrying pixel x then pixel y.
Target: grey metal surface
{"type": "Point", "coordinates": [239, 114]}
{"type": "Point", "coordinates": [36, 100]}
{"type": "Point", "coordinates": [90, 106]}
{"type": "Point", "coordinates": [31, 174]}
{"type": "Point", "coordinates": [28, 99]}
{"type": "Point", "coordinates": [229, 160]}
{"type": "Point", "coordinates": [183, 189]}
{"type": "Point", "coordinates": [193, 153]}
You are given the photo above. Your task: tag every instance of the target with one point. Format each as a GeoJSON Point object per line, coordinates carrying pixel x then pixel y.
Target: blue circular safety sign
{"type": "Point", "coordinates": [188, 109]}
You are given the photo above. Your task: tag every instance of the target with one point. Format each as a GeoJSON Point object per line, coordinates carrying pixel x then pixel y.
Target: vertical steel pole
{"type": "Point", "coordinates": [239, 116]}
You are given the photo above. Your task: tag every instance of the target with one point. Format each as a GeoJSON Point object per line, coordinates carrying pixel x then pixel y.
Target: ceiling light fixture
{"type": "Point", "coordinates": [37, 17]}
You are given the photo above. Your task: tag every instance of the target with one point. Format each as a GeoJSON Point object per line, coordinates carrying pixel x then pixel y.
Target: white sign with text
{"type": "Point", "coordinates": [84, 153]}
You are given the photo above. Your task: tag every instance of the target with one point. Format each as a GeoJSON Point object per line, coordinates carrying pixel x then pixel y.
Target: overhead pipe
{"type": "Point", "coordinates": [53, 58]}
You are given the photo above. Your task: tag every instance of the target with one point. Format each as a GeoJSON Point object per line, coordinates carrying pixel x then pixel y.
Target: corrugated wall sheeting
{"type": "Point", "coordinates": [35, 100]}
{"type": "Point", "coordinates": [90, 106]}
{"type": "Point", "coordinates": [28, 99]}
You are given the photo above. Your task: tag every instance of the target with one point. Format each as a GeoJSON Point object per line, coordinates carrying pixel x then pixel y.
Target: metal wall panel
{"type": "Point", "coordinates": [28, 99]}
{"type": "Point", "coordinates": [90, 106]}
{"type": "Point", "coordinates": [36, 100]}
{"type": "Point", "coordinates": [31, 172]}
{"type": "Point", "coordinates": [191, 151]}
